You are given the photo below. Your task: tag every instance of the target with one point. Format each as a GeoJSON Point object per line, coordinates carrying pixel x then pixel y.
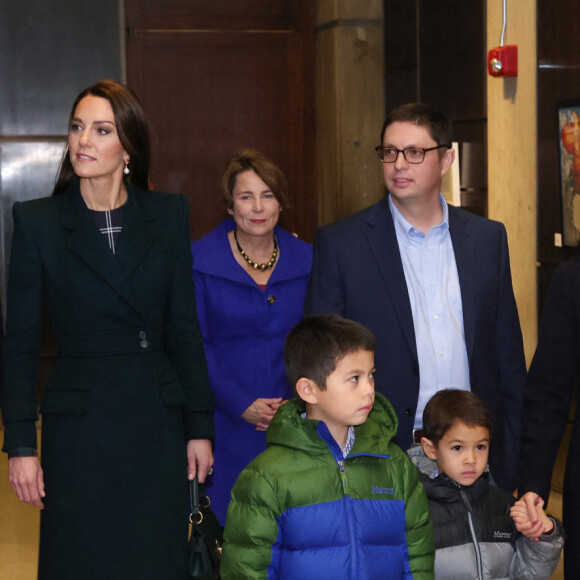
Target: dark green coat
{"type": "Point", "coordinates": [128, 389]}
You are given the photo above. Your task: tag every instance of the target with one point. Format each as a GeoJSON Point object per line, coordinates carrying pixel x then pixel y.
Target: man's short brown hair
{"type": "Point", "coordinates": [424, 115]}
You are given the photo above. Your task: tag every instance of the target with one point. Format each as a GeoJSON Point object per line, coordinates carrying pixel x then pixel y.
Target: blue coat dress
{"type": "Point", "coordinates": [244, 329]}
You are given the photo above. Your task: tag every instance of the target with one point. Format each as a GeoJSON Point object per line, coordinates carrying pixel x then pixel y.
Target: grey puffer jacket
{"type": "Point", "coordinates": [475, 538]}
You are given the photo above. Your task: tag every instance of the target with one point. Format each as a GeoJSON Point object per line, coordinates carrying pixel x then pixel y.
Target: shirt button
{"type": "Point", "coordinates": [435, 316]}
{"type": "Point", "coordinates": [271, 299]}
{"type": "Point", "coordinates": [144, 343]}
{"type": "Point", "coordinates": [142, 335]}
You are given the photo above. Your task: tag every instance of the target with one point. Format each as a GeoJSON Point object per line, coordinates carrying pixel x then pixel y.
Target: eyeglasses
{"type": "Point", "coordinates": [410, 154]}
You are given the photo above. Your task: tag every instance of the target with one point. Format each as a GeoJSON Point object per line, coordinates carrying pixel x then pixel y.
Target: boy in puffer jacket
{"type": "Point", "coordinates": [332, 497]}
{"type": "Point", "coordinates": [481, 532]}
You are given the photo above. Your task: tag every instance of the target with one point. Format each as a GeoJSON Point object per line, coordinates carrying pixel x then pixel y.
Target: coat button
{"type": "Point", "coordinates": [271, 299]}
{"type": "Point", "coordinates": [144, 343]}
{"type": "Point", "coordinates": [409, 412]}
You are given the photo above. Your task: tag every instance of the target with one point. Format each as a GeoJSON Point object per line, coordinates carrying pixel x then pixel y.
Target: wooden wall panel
{"type": "Point", "coordinates": [213, 91]}
{"type": "Point", "coordinates": [215, 15]}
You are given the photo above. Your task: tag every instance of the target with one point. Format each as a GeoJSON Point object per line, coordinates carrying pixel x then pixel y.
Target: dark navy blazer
{"type": "Point", "coordinates": [358, 273]}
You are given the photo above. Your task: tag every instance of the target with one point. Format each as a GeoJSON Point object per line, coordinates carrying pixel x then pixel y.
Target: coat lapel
{"type": "Point", "coordinates": [464, 250]}
{"type": "Point", "coordinates": [382, 240]}
{"type": "Point", "coordinates": [139, 232]}
{"type": "Point", "coordinates": [88, 244]}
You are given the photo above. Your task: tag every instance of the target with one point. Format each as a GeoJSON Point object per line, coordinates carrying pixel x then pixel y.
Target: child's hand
{"type": "Point", "coordinates": [524, 525]}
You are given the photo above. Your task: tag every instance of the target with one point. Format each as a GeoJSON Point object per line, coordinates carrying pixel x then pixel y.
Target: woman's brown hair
{"type": "Point", "coordinates": [132, 128]}
{"type": "Point", "coordinates": [265, 169]}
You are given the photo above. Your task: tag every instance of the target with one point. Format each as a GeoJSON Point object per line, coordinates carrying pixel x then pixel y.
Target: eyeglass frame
{"type": "Point", "coordinates": [378, 147]}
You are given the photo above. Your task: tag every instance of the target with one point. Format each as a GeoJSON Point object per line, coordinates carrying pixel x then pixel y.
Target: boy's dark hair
{"type": "Point", "coordinates": [450, 405]}
{"type": "Point", "coordinates": [317, 343]}
{"type": "Point", "coordinates": [424, 115]}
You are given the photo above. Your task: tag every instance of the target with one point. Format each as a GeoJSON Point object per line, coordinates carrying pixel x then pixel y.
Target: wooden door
{"type": "Point", "coordinates": [215, 77]}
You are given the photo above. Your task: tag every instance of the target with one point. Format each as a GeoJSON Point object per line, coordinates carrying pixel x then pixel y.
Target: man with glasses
{"type": "Point", "coordinates": [433, 283]}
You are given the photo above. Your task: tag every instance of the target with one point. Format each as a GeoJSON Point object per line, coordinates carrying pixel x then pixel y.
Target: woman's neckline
{"type": "Point", "coordinates": [116, 209]}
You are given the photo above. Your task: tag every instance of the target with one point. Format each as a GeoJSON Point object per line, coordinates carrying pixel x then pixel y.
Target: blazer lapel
{"type": "Point", "coordinates": [382, 240]}
{"type": "Point", "coordinates": [139, 231]}
{"type": "Point", "coordinates": [464, 250]}
{"type": "Point", "coordinates": [87, 243]}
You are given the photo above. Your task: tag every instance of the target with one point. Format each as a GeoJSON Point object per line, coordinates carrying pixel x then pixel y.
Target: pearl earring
{"type": "Point", "coordinates": [126, 171]}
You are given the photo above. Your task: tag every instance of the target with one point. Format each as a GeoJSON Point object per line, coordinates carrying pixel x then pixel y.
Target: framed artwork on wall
{"type": "Point", "coordinates": [569, 145]}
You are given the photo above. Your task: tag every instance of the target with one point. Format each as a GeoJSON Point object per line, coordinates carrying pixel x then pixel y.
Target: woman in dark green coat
{"type": "Point", "coordinates": [127, 411]}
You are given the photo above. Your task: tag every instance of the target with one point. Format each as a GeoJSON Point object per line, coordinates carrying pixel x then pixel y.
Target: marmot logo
{"type": "Point", "coordinates": [387, 490]}
{"type": "Point", "coordinates": [501, 535]}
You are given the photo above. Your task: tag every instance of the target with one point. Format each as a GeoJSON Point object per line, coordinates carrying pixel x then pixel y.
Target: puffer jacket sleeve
{"type": "Point", "coordinates": [251, 529]}
{"type": "Point", "coordinates": [420, 539]}
{"type": "Point", "coordinates": [537, 560]}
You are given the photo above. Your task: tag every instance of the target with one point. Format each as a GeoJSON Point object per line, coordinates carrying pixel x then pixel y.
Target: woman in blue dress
{"type": "Point", "coordinates": [250, 282]}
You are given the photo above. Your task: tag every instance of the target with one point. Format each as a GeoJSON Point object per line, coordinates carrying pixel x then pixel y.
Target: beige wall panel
{"type": "Point", "coordinates": [329, 10]}
{"type": "Point", "coordinates": [512, 154]}
{"type": "Point", "coordinates": [350, 111]}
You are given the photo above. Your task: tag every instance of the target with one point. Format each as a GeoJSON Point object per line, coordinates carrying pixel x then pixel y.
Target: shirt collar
{"type": "Point", "coordinates": [349, 441]}
{"type": "Point", "coordinates": [406, 230]}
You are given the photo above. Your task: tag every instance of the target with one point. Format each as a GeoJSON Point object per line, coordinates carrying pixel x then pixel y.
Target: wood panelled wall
{"type": "Point", "coordinates": [216, 77]}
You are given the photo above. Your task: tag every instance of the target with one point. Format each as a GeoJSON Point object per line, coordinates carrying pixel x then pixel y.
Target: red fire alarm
{"type": "Point", "coordinates": [502, 61]}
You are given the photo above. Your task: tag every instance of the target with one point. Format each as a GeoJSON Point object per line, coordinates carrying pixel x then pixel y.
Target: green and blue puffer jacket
{"type": "Point", "coordinates": [300, 510]}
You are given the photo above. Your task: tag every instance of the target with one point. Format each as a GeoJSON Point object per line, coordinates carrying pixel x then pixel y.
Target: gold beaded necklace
{"type": "Point", "coordinates": [269, 264]}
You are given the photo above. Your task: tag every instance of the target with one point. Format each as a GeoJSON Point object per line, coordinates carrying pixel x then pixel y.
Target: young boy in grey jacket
{"type": "Point", "coordinates": [481, 531]}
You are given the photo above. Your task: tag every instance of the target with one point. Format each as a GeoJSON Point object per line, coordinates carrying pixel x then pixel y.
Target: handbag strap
{"type": "Point", "coordinates": [196, 493]}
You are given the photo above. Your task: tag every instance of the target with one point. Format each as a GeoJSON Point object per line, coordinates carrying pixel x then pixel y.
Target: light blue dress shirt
{"type": "Point", "coordinates": [435, 296]}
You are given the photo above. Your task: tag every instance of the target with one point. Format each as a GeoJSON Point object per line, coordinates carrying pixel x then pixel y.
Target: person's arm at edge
{"type": "Point", "coordinates": [184, 347]}
{"type": "Point", "coordinates": [511, 362]}
{"type": "Point", "coordinates": [22, 347]}
{"type": "Point", "coordinates": [324, 295]}
{"type": "Point", "coordinates": [549, 386]}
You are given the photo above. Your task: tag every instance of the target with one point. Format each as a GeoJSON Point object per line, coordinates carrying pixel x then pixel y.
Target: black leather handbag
{"type": "Point", "coordinates": [205, 536]}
